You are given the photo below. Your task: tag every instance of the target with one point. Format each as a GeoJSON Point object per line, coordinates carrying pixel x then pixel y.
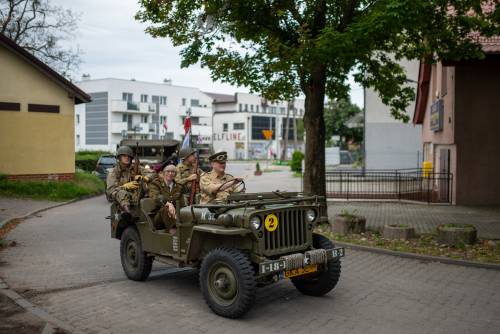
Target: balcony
{"type": "Point", "coordinates": [201, 130]}
{"type": "Point", "coordinates": [140, 128]}
{"type": "Point", "coordinates": [201, 112]}
{"type": "Point", "coordinates": [132, 107]}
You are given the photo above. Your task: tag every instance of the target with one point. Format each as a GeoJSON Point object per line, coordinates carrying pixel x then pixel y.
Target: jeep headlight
{"type": "Point", "coordinates": [256, 222]}
{"type": "Point", "coordinates": [310, 215]}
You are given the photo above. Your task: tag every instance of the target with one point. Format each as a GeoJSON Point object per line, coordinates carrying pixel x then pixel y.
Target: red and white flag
{"type": "Point", "coordinates": [187, 122]}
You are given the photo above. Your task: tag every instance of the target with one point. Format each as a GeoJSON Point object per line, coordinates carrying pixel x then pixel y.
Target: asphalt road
{"type": "Point", "coordinates": [66, 263]}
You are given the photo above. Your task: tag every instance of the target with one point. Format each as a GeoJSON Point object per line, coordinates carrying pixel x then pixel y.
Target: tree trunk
{"type": "Point", "coordinates": [314, 123]}
{"type": "Point", "coordinates": [285, 135]}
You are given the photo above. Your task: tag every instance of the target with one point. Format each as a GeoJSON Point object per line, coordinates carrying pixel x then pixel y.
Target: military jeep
{"type": "Point", "coordinates": [249, 241]}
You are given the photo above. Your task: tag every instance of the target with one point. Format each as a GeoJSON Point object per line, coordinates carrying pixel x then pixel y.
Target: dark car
{"type": "Point", "coordinates": [105, 162]}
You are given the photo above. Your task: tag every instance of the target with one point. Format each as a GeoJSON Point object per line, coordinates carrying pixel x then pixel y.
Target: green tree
{"type": "Point", "coordinates": [281, 48]}
{"type": "Point", "coordinates": [337, 116]}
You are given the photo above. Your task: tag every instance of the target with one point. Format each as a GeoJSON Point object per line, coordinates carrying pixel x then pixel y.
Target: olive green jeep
{"type": "Point", "coordinates": [249, 241]}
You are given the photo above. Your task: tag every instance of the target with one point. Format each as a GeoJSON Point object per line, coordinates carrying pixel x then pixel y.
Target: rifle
{"type": "Point", "coordinates": [195, 182]}
{"type": "Point", "coordinates": [137, 165]}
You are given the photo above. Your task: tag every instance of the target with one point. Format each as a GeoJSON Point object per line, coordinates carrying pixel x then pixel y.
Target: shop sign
{"type": "Point", "coordinates": [437, 114]}
{"type": "Point", "coordinates": [229, 136]}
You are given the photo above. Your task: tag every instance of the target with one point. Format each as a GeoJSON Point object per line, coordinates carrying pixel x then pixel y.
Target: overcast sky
{"type": "Point", "coordinates": [115, 45]}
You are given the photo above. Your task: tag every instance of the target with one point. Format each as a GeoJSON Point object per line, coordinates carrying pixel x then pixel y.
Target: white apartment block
{"type": "Point", "coordinates": [129, 109]}
{"type": "Point", "coordinates": [239, 121]}
{"type": "Point", "coordinates": [390, 143]}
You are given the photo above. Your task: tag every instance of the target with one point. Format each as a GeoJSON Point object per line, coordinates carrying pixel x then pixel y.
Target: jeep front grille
{"type": "Point", "coordinates": [291, 234]}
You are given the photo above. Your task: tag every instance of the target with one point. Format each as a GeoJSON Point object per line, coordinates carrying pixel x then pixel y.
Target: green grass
{"type": "Point", "coordinates": [90, 155]}
{"type": "Point", "coordinates": [84, 184]}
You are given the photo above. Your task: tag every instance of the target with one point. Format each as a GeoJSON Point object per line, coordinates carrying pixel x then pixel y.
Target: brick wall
{"type": "Point", "coordinates": [51, 177]}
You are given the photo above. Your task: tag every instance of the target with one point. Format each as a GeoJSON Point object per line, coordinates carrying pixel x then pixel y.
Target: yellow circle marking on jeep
{"type": "Point", "coordinates": [271, 222]}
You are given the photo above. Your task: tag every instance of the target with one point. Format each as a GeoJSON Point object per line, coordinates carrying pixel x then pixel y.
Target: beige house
{"type": "Point", "coordinates": [36, 117]}
{"type": "Point", "coordinates": [458, 105]}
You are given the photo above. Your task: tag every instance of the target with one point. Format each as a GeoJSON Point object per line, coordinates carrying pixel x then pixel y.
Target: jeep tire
{"type": "Point", "coordinates": [227, 282]}
{"type": "Point", "coordinates": [323, 282]}
{"type": "Point", "coordinates": [136, 264]}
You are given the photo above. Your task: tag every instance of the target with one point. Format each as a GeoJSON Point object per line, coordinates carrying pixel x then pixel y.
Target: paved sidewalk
{"type": "Point", "coordinates": [18, 207]}
{"type": "Point", "coordinates": [423, 217]}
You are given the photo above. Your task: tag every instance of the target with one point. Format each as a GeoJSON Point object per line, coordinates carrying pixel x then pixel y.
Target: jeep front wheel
{"type": "Point", "coordinates": [227, 281]}
{"type": "Point", "coordinates": [136, 264]}
{"type": "Point", "coordinates": [324, 281]}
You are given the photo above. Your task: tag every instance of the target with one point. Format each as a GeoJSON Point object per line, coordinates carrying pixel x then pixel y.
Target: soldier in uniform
{"type": "Point", "coordinates": [186, 172]}
{"type": "Point", "coordinates": [122, 184]}
{"type": "Point", "coordinates": [217, 185]}
{"type": "Point", "coordinates": [168, 197]}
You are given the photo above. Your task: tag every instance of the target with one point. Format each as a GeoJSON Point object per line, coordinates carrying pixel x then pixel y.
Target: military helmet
{"type": "Point", "coordinates": [218, 157]}
{"type": "Point", "coordinates": [124, 150]}
{"type": "Point", "coordinates": [186, 152]}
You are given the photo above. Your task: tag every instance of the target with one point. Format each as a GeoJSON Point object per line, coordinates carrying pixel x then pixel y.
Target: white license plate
{"type": "Point", "coordinates": [337, 252]}
{"type": "Point", "coordinates": [270, 267]}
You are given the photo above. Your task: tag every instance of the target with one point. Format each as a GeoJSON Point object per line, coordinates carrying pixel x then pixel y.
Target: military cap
{"type": "Point", "coordinates": [186, 152]}
{"type": "Point", "coordinates": [219, 157]}
{"type": "Point", "coordinates": [124, 150]}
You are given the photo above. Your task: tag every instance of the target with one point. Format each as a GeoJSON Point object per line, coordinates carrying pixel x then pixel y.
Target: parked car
{"type": "Point", "coordinates": [104, 162]}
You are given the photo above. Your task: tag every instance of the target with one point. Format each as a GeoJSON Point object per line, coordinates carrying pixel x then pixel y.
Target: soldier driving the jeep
{"type": "Point", "coordinates": [168, 198]}
{"type": "Point", "coordinates": [122, 181]}
{"type": "Point", "coordinates": [217, 185]}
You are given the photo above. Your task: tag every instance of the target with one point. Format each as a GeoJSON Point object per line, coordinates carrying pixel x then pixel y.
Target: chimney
{"type": "Point", "coordinates": [85, 77]}
{"type": "Point", "coordinates": [167, 81]}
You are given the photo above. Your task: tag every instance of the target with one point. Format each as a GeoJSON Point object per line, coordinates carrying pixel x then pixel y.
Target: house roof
{"type": "Point", "coordinates": [79, 95]}
{"type": "Point", "coordinates": [490, 46]}
{"type": "Point", "coordinates": [222, 98]}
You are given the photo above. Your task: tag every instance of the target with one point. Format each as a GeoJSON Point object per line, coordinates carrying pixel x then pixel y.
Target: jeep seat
{"type": "Point", "coordinates": [147, 205]}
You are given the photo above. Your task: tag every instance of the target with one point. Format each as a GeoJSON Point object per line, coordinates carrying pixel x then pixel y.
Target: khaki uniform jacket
{"type": "Point", "coordinates": [211, 178]}
{"type": "Point", "coordinates": [183, 172]}
{"type": "Point", "coordinates": [117, 177]}
{"type": "Point", "coordinates": [159, 187]}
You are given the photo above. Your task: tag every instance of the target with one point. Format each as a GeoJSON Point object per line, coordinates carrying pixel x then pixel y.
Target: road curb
{"type": "Point", "coordinates": [4, 222]}
{"type": "Point", "coordinates": [35, 310]}
{"type": "Point", "coordinates": [427, 258]}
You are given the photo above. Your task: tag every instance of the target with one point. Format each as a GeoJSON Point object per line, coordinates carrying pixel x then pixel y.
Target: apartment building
{"type": "Point", "coordinates": [130, 109]}
{"type": "Point", "coordinates": [242, 121]}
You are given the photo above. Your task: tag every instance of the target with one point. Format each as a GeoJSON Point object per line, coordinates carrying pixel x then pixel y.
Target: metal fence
{"type": "Point", "coordinates": [401, 184]}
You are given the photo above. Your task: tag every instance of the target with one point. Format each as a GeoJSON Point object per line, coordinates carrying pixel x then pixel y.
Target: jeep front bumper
{"type": "Point", "coordinates": [300, 260]}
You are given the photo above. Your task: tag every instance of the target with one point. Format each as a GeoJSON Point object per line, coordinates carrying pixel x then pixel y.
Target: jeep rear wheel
{"type": "Point", "coordinates": [323, 282]}
{"type": "Point", "coordinates": [136, 264]}
{"type": "Point", "coordinates": [227, 281]}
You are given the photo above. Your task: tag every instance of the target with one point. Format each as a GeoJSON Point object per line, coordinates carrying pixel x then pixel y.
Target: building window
{"type": "Point", "coordinates": [127, 96]}
{"type": "Point", "coordinates": [282, 110]}
{"type": "Point", "coordinates": [238, 126]}
{"type": "Point", "coordinates": [78, 140]}
{"type": "Point", "coordinates": [444, 80]}
{"type": "Point", "coordinates": [260, 123]}
{"type": "Point", "coordinates": [225, 127]}
{"type": "Point", "coordinates": [144, 119]}
{"type": "Point", "coordinates": [163, 119]}
{"type": "Point", "coordinates": [163, 100]}
{"type": "Point", "coordinates": [77, 119]}
{"type": "Point", "coordinates": [251, 107]}
{"type": "Point", "coordinates": [273, 110]}
{"type": "Point", "coordinates": [246, 107]}
{"type": "Point", "coordinates": [183, 102]}
{"type": "Point", "coordinates": [195, 103]}
{"type": "Point", "coordinates": [240, 107]}
{"type": "Point", "coordinates": [290, 128]}
{"type": "Point", "coordinates": [257, 108]}
{"type": "Point", "coordinates": [144, 98]}
{"type": "Point", "coordinates": [10, 106]}
{"type": "Point", "coordinates": [43, 108]}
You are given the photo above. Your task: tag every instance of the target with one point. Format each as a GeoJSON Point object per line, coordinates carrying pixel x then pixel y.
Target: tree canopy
{"type": "Point", "coordinates": [39, 27]}
{"type": "Point", "coordinates": [338, 113]}
{"type": "Point", "coordinates": [280, 48]}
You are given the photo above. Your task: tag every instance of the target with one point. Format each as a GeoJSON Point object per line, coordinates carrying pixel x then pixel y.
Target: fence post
{"type": "Point", "coordinates": [347, 186]}
{"type": "Point", "coordinates": [428, 188]}
{"type": "Point", "coordinates": [399, 185]}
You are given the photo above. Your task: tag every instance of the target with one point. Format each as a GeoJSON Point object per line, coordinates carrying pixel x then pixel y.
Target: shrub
{"type": "Point", "coordinates": [87, 165]}
{"type": "Point", "coordinates": [296, 163]}
{"type": "Point", "coordinates": [257, 167]}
